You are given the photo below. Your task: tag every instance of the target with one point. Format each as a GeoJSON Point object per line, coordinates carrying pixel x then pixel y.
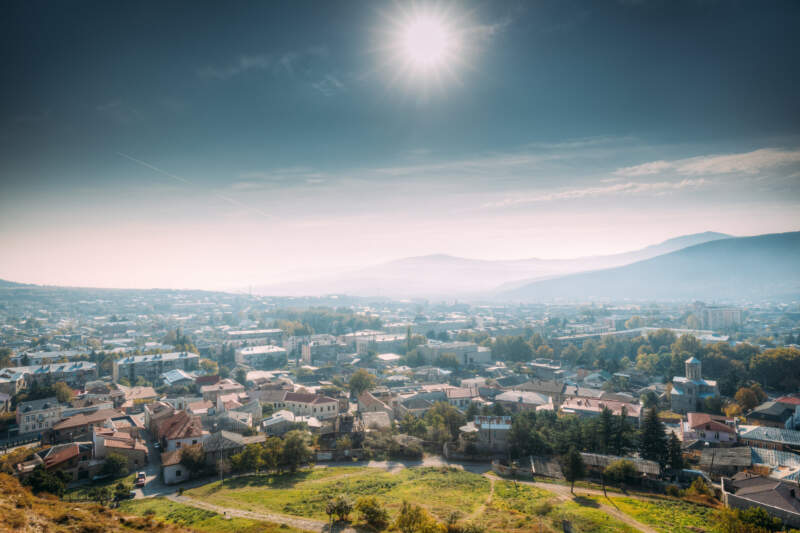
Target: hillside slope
{"type": "Point", "coordinates": [737, 268]}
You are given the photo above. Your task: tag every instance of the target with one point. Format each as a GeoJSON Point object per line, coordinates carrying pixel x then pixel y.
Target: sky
{"type": "Point", "coordinates": [220, 145]}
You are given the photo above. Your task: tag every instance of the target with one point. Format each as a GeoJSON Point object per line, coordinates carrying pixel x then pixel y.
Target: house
{"type": "Point", "coordinates": [303, 404]}
{"type": "Point", "coordinates": [223, 386]}
{"type": "Point", "coordinates": [466, 353]}
{"type": "Point", "coordinates": [519, 400]}
{"type": "Point", "coordinates": [177, 378]}
{"type": "Point", "coordinates": [74, 374]}
{"type": "Point", "coordinates": [278, 423]}
{"type": "Point", "coordinates": [709, 428]}
{"type": "Point", "coordinates": [38, 416]}
{"type": "Point", "coordinates": [172, 470]}
{"type": "Point", "coordinates": [415, 406]}
{"type": "Point", "coordinates": [154, 413]}
{"type": "Point", "coordinates": [79, 427]}
{"type": "Point", "coordinates": [775, 414]}
{"type": "Point", "coordinates": [588, 407]}
{"type": "Point", "coordinates": [137, 397]}
{"type": "Point", "coordinates": [688, 392]}
{"type": "Point", "coordinates": [770, 437]}
{"type": "Point", "coordinates": [376, 420]}
{"type": "Point", "coordinates": [489, 433]}
{"type": "Point", "coordinates": [180, 430]}
{"type": "Point", "coordinates": [223, 444]}
{"type": "Point", "coordinates": [107, 440]}
{"type": "Point", "coordinates": [74, 459]}
{"type": "Point", "coordinates": [368, 403]}
{"type": "Point", "coordinates": [460, 397]}
{"type": "Point", "coordinates": [779, 498]}
{"type": "Point", "coordinates": [552, 388]}
{"type": "Point", "coordinates": [13, 381]}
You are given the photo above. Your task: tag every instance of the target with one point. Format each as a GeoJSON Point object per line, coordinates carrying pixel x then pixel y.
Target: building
{"type": "Point", "coordinates": [221, 388]}
{"type": "Point", "coordinates": [709, 428]}
{"type": "Point", "coordinates": [690, 391]}
{"type": "Point", "coordinates": [779, 498]}
{"type": "Point", "coordinates": [177, 378]}
{"type": "Point", "coordinates": [587, 407]}
{"type": "Point", "coordinates": [180, 430]}
{"type": "Point", "coordinates": [518, 400]}
{"type": "Point", "coordinates": [260, 356]}
{"type": "Point", "coordinates": [106, 441]}
{"type": "Point", "coordinates": [74, 374]}
{"type": "Point", "coordinates": [489, 433]}
{"type": "Point", "coordinates": [73, 459]}
{"type": "Point", "coordinates": [38, 416]}
{"type": "Point", "coordinates": [770, 437]}
{"type": "Point", "coordinates": [315, 352]}
{"type": "Point", "coordinates": [172, 471]}
{"type": "Point", "coordinates": [223, 444]}
{"type": "Point", "coordinates": [775, 414]}
{"type": "Point", "coordinates": [715, 318]}
{"type": "Point", "coordinates": [79, 427]}
{"type": "Point", "coordinates": [303, 404]}
{"type": "Point", "coordinates": [150, 367]}
{"type": "Point", "coordinates": [254, 335]}
{"type": "Point", "coordinates": [278, 423]}
{"type": "Point", "coordinates": [466, 352]}
{"type": "Point", "coordinates": [43, 358]}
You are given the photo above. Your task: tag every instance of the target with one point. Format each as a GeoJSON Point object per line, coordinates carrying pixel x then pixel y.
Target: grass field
{"type": "Point", "coordinates": [82, 491]}
{"type": "Point", "coordinates": [519, 508]}
{"type": "Point", "coordinates": [197, 519]}
{"type": "Point", "coordinates": [440, 490]}
{"type": "Point", "coordinates": [672, 516]}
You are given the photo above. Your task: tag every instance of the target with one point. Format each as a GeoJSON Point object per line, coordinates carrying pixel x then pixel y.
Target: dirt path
{"type": "Point", "coordinates": [563, 493]}
{"type": "Point", "coordinates": [481, 508]}
{"type": "Point", "coordinates": [305, 524]}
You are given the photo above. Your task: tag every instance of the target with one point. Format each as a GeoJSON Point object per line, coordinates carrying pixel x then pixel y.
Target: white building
{"type": "Point", "coordinates": [150, 367]}
{"type": "Point", "coordinates": [257, 356]}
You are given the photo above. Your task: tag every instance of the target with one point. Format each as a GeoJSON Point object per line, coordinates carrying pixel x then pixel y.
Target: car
{"type": "Point", "coordinates": [141, 478]}
{"type": "Point", "coordinates": [127, 496]}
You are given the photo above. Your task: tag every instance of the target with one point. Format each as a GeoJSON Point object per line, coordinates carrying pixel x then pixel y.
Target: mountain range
{"type": "Point", "coordinates": [440, 275]}
{"type": "Point", "coordinates": [760, 267]}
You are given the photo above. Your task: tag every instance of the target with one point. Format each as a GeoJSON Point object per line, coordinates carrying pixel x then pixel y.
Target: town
{"type": "Point", "coordinates": [111, 396]}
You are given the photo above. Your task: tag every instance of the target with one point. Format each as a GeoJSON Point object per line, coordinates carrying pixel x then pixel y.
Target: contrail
{"type": "Point", "coordinates": [231, 201]}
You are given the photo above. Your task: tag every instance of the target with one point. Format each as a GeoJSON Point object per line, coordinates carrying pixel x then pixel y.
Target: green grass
{"type": "Point", "coordinates": [82, 491]}
{"type": "Point", "coordinates": [524, 508]}
{"type": "Point", "coordinates": [673, 516]}
{"type": "Point", "coordinates": [198, 520]}
{"type": "Point", "coordinates": [440, 490]}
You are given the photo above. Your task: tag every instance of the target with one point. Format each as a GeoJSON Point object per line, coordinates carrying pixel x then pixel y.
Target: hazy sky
{"type": "Point", "coordinates": [217, 145]}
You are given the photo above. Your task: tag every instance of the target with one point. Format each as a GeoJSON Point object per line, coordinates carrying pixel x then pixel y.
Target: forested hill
{"type": "Point", "coordinates": [755, 268]}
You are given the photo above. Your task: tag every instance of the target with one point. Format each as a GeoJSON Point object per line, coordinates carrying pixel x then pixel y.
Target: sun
{"type": "Point", "coordinates": [424, 45]}
{"type": "Point", "coordinates": [427, 42]}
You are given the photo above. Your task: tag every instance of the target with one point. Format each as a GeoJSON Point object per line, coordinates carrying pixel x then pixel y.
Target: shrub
{"type": "Point", "coordinates": [673, 490]}
{"type": "Point", "coordinates": [372, 512]}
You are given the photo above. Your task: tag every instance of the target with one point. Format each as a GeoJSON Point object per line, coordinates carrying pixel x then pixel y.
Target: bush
{"type": "Point", "coordinates": [341, 506]}
{"type": "Point", "coordinates": [373, 513]}
{"type": "Point", "coordinates": [673, 490]}
{"type": "Point", "coordinates": [116, 465]}
{"type": "Point", "coordinates": [699, 488]}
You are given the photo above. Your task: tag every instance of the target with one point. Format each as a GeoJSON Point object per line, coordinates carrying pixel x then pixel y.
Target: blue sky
{"type": "Point", "coordinates": [213, 145]}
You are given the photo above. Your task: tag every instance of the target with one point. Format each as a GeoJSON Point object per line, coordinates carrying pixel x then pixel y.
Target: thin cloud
{"type": "Point", "coordinates": [240, 66]}
{"type": "Point", "coordinates": [747, 163]}
{"type": "Point", "coordinates": [628, 188]}
{"type": "Point", "coordinates": [329, 85]}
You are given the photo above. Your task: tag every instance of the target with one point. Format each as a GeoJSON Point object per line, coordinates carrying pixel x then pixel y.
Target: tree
{"type": "Point", "coordinates": [193, 458]}
{"type": "Point", "coordinates": [41, 480]}
{"type": "Point", "coordinates": [653, 442]}
{"type": "Point", "coordinates": [372, 512]}
{"type": "Point", "coordinates": [116, 465]}
{"type": "Point", "coordinates": [121, 491]}
{"type": "Point", "coordinates": [271, 453]}
{"type": "Point", "coordinates": [209, 367]}
{"type": "Point", "coordinates": [620, 471]}
{"type": "Point", "coordinates": [746, 398]}
{"type": "Point", "coordinates": [360, 382]}
{"type": "Point", "coordinates": [342, 507]}
{"type": "Point", "coordinates": [295, 449]}
{"type": "Point", "coordinates": [573, 468]}
{"type": "Point", "coordinates": [674, 454]}
{"type": "Point", "coordinates": [248, 460]}
{"type": "Point", "coordinates": [241, 376]}
{"type": "Point", "coordinates": [63, 392]}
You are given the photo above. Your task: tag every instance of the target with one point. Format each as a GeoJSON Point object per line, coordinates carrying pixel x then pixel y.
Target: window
{"type": "Point", "coordinates": [178, 444]}
{"type": "Point", "coordinates": [194, 441]}
{"type": "Point", "coordinates": [177, 473]}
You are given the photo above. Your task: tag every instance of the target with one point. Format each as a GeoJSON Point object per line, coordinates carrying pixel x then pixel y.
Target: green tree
{"type": "Point", "coordinates": [63, 392]}
{"type": "Point", "coordinates": [248, 460]}
{"type": "Point", "coordinates": [620, 471]}
{"type": "Point", "coordinates": [573, 467]}
{"type": "Point", "coordinates": [241, 376]}
{"type": "Point", "coordinates": [295, 449]}
{"type": "Point", "coordinates": [342, 507]}
{"type": "Point", "coordinates": [271, 453]}
{"type": "Point", "coordinates": [42, 481]}
{"type": "Point", "coordinates": [101, 495]}
{"type": "Point", "coordinates": [415, 519]}
{"type": "Point", "coordinates": [116, 465]}
{"type": "Point", "coordinates": [121, 491]}
{"type": "Point", "coordinates": [653, 441]}
{"type": "Point", "coordinates": [361, 381]}
{"type": "Point", "coordinates": [674, 455]}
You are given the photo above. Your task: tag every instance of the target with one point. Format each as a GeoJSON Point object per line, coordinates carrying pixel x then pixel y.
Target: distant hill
{"type": "Point", "coordinates": [448, 276]}
{"type": "Point", "coordinates": [735, 268]}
